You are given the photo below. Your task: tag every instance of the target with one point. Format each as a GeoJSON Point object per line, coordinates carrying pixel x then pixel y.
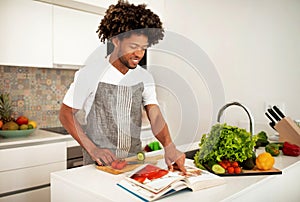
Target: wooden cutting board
{"type": "Point", "coordinates": [255, 171]}
{"type": "Point", "coordinates": [127, 168]}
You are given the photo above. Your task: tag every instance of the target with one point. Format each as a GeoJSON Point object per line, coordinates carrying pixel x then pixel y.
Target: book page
{"type": "Point", "coordinates": [199, 179]}
{"type": "Point", "coordinates": [148, 195]}
{"type": "Point", "coordinates": [154, 178]}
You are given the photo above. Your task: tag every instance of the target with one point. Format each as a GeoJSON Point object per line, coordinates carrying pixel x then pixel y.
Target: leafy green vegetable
{"type": "Point", "coordinates": [262, 139]}
{"type": "Point", "coordinates": [225, 142]}
{"type": "Point", "coordinates": [262, 135]}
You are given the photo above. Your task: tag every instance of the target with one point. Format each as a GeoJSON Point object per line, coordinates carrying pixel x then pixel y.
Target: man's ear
{"type": "Point", "coordinates": [115, 41]}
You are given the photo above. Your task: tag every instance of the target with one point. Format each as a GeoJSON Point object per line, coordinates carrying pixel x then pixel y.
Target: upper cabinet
{"type": "Point", "coordinates": [74, 36]}
{"type": "Point", "coordinates": [51, 33]}
{"type": "Point", "coordinates": [26, 33]}
{"type": "Point", "coordinates": [39, 34]}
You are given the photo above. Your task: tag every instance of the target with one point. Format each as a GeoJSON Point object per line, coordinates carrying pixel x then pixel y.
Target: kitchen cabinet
{"type": "Point", "coordinates": [26, 33]}
{"type": "Point", "coordinates": [39, 34]}
{"type": "Point", "coordinates": [25, 171]}
{"type": "Point", "coordinates": [74, 36]}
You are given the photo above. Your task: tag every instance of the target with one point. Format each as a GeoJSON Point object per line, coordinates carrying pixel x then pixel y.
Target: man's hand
{"type": "Point", "coordinates": [102, 156]}
{"type": "Point", "coordinates": [172, 155]}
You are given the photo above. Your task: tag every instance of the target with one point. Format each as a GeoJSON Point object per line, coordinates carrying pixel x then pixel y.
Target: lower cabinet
{"type": "Point", "coordinates": [37, 195]}
{"type": "Point", "coordinates": [25, 171]}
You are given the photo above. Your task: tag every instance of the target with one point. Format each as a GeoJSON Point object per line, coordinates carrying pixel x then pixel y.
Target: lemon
{"type": "Point", "coordinates": [33, 123]}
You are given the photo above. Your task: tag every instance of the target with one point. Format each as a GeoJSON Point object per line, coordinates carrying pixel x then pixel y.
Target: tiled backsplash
{"type": "Point", "coordinates": [36, 92]}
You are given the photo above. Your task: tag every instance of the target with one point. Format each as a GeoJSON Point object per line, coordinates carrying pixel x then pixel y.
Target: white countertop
{"type": "Point", "coordinates": [38, 137]}
{"type": "Point", "coordinates": [96, 184]}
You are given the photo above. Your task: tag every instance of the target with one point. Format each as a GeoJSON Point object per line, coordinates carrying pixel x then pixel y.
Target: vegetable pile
{"type": "Point", "coordinates": [225, 142]}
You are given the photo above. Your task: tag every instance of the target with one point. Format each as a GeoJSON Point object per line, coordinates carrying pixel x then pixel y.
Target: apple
{"type": "Point", "coordinates": [22, 120]}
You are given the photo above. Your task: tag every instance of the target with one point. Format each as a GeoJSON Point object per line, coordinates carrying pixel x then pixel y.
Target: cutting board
{"type": "Point", "coordinates": [109, 169]}
{"type": "Point", "coordinates": [254, 171]}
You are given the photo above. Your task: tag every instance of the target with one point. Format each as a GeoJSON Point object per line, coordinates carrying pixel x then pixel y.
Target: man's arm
{"type": "Point", "coordinates": [161, 131]}
{"type": "Point", "coordinates": [70, 123]}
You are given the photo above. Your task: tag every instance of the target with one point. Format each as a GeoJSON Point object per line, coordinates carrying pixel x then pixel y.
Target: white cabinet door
{"type": "Point", "coordinates": [38, 195]}
{"type": "Point", "coordinates": [30, 156]}
{"type": "Point", "coordinates": [74, 35]}
{"type": "Point", "coordinates": [28, 178]}
{"type": "Point", "coordinates": [26, 33]}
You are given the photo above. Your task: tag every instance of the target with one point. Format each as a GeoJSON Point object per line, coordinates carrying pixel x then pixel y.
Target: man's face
{"type": "Point", "coordinates": [131, 50]}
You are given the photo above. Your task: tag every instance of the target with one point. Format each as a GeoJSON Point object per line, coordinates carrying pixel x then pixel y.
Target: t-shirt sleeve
{"type": "Point", "coordinates": [78, 92]}
{"type": "Point", "coordinates": [149, 94]}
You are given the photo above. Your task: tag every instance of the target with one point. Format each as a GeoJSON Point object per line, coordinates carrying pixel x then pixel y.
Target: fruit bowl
{"type": "Point", "coordinates": [16, 133]}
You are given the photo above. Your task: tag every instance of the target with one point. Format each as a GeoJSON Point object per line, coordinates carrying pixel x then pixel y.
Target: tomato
{"type": "Point", "coordinates": [121, 164]}
{"type": "Point", "coordinates": [234, 164]}
{"type": "Point", "coordinates": [230, 170]}
{"type": "Point", "coordinates": [237, 170]}
{"type": "Point", "coordinates": [114, 164]}
{"type": "Point", "coordinates": [223, 164]}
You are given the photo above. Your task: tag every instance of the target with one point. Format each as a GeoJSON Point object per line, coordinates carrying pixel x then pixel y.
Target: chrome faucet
{"type": "Point", "coordinates": [245, 108]}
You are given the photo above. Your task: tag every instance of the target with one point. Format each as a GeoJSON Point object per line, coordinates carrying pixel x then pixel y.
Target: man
{"type": "Point", "coordinates": [113, 89]}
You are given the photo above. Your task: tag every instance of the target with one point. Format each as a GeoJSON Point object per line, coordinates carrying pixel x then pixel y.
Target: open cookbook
{"type": "Point", "coordinates": [150, 182]}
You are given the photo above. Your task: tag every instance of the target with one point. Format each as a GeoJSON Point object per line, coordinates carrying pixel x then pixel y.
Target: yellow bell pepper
{"type": "Point", "coordinates": [265, 161]}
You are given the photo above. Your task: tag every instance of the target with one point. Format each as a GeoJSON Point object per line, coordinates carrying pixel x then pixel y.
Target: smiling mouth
{"type": "Point", "coordinates": [135, 61]}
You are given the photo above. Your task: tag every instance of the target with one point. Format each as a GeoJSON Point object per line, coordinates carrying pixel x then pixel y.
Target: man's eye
{"type": "Point", "coordinates": [133, 47]}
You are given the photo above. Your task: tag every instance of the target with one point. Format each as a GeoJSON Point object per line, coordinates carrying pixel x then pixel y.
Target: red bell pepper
{"type": "Point", "coordinates": [290, 149]}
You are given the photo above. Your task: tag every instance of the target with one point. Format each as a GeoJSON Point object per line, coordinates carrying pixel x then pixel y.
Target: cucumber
{"type": "Point", "coordinates": [218, 169]}
{"type": "Point", "coordinates": [140, 156]}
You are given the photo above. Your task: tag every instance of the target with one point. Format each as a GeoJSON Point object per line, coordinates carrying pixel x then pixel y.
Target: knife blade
{"type": "Point", "coordinates": [278, 111]}
{"type": "Point", "coordinates": [273, 113]}
{"type": "Point", "coordinates": [140, 162]}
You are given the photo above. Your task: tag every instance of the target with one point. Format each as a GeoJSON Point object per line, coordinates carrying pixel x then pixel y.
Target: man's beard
{"type": "Point", "coordinates": [125, 62]}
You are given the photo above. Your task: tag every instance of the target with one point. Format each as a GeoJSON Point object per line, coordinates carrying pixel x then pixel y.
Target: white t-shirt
{"type": "Point", "coordinates": [82, 91]}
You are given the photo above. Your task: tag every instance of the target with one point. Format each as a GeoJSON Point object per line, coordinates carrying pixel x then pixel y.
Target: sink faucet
{"type": "Point", "coordinates": [245, 108]}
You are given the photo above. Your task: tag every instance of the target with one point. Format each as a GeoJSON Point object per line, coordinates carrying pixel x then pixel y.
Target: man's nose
{"type": "Point", "coordinates": [139, 53]}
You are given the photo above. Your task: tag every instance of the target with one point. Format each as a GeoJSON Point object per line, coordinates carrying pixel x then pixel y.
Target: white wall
{"type": "Point", "coordinates": [254, 45]}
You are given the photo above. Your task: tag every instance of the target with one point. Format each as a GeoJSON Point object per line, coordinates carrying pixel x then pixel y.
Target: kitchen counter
{"type": "Point", "coordinates": [38, 137]}
{"type": "Point", "coordinates": [89, 184]}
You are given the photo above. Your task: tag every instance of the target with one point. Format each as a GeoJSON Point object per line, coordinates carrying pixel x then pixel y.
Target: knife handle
{"type": "Point", "coordinates": [278, 111]}
{"type": "Point", "coordinates": [273, 113]}
{"type": "Point", "coordinates": [269, 117]}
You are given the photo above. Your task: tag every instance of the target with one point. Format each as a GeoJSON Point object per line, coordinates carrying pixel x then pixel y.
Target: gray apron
{"type": "Point", "coordinates": [114, 121]}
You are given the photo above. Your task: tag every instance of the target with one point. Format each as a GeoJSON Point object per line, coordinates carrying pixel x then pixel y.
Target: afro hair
{"type": "Point", "coordinates": [124, 18]}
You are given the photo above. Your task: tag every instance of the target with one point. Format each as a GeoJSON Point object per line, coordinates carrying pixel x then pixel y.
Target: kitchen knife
{"type": "Point", "coordinates": [269, 117]}
{"type": "Point", "coordinates": [140, 162]}
{"type": "Point", "coordinates": [273, 113]}
{"type": "Point", "coordinates": [272, 123]}
{"type": "Point", "coordinates": [278, 111]}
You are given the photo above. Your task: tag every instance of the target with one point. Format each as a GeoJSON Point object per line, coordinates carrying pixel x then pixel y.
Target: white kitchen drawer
{"type": "Point", "coordinates": [38, 195]}
{"type": "Point", "coordinates": [16, 180]}
{"type": "Point", "coordinates": [29, 156]}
